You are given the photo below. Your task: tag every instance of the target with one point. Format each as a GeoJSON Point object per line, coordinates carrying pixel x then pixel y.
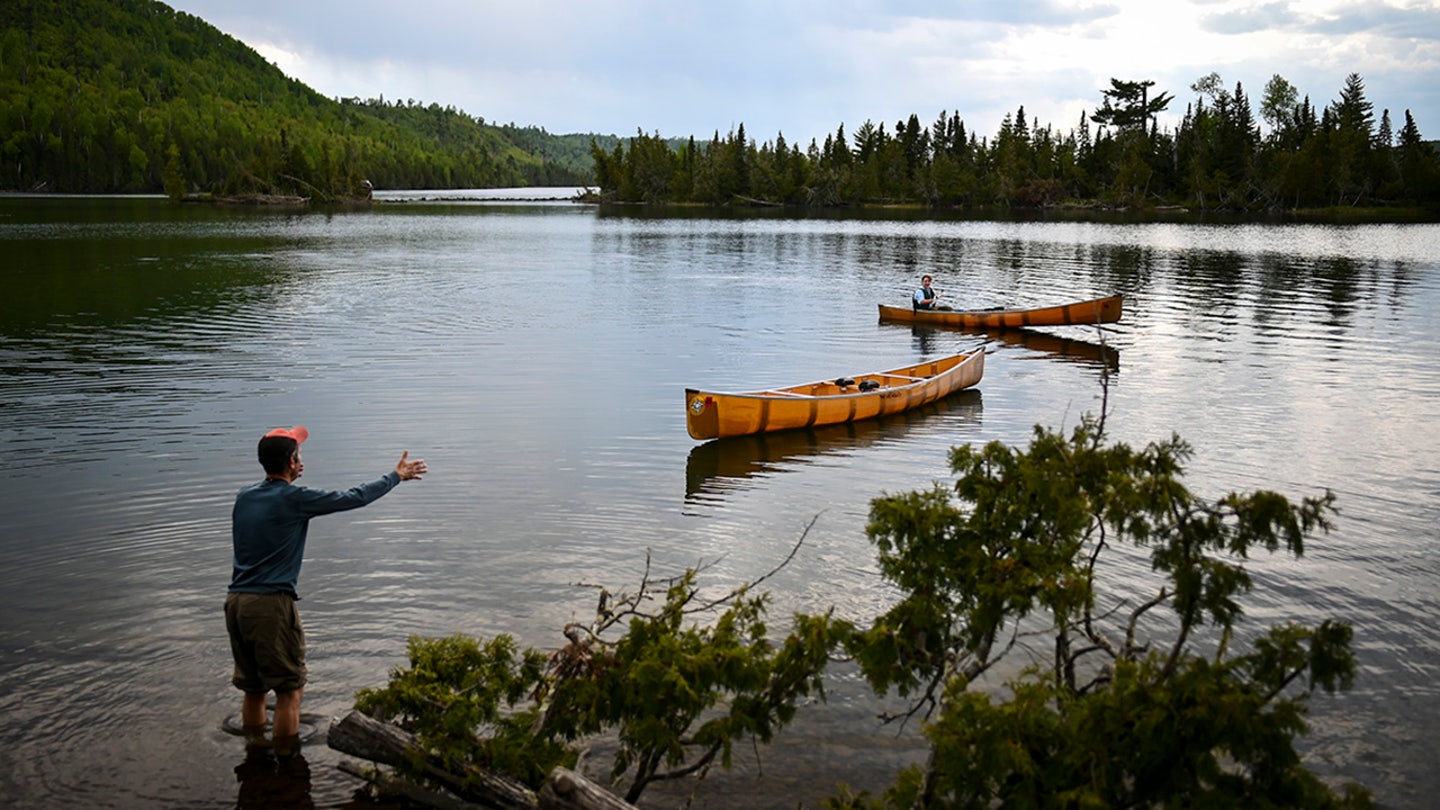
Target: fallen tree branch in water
{"type": "Point", "coordinates": [362, 736]}
{"type": "Point", "coordinates": [359, 735]}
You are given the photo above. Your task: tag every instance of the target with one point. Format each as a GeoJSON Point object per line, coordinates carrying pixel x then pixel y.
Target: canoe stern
{"type": "Point", "coordinates": [702, 415]}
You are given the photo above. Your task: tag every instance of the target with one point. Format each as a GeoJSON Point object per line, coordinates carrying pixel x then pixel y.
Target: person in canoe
{"type": "Point", "coordinates": [926, 297]}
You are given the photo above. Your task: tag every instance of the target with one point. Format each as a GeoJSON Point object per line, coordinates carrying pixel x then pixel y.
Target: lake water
{"type": "Point", "coordinates": [535, 353]}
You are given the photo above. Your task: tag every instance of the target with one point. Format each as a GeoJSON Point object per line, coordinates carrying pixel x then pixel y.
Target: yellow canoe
{"type": "Point", "coordinates": [711, 415]}
{"type": "Point", "coordinates": [717, 467]}
{"type": "Point", "coordinates": [1100, 310]}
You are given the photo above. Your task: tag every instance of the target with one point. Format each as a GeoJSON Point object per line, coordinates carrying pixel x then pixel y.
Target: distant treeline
{"type": "Point", "coordinates": [1218, 159]}
{"type": "Point", "coordinates": [133, 96]}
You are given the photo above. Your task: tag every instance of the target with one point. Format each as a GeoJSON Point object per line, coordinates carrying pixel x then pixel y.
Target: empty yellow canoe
{"type": "Point", "coordinates": [711, 414]}
{"type": "Point", "coordinates": [1100, 310]}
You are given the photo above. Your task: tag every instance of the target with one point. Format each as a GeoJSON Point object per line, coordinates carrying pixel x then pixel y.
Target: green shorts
{"type": "Point", "coordinates": [266, 640]}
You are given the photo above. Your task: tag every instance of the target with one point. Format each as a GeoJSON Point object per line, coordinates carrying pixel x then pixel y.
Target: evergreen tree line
{"type": "Point", "coordinates": [1217, 159]}
{"type": "Point", "coordinates": [128, 96]}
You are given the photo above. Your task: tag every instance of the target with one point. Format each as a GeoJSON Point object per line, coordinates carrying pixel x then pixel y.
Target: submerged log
{"type": "Point", "coordinates": [362, 736]}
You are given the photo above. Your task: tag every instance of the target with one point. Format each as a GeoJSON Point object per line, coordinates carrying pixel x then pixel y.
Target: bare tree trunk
{"type": "Point", "coordinates": [567, 790]}
{"type": "Point", "coordinates": [362, 736]}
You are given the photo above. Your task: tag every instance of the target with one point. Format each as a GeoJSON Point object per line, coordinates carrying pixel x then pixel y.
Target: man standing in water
{"type": "Point", "coordinates": [269, 525]}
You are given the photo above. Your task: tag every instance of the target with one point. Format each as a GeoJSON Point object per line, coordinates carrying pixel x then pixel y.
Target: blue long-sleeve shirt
{"type": "Point", "coordinates": [270, 522]}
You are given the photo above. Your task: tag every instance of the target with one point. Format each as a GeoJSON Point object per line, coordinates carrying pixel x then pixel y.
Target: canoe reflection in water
{"type": "Point", "coordinates": [931, 339]}
{"type": "Point", "coordinates": [715, 466]}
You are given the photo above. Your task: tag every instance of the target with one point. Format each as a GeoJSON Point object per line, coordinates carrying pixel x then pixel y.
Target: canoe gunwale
{"type": "Point", "coordinates": [764, 393]}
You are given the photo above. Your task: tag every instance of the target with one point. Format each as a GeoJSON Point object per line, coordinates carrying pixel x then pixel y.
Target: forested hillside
{"type": "Point", "coordinates": [133, 96]}
{"type": "Point", "coordinates": [1218, 158]}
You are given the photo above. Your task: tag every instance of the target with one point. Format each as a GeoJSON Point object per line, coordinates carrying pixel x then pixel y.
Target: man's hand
{"type": "Point", "coordinates": [408, 470]}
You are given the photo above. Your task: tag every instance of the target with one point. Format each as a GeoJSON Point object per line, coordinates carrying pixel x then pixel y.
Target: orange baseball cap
{"type": "Point", "coordinates": [298, 433]}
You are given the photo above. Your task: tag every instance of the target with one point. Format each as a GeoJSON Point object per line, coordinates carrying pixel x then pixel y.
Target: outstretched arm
{"type": "Point", "coordinates": [408, 470]}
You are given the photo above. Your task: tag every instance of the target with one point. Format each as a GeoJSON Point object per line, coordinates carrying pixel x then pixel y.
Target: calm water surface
{"type": "Point", "coordinates": [535, 354]}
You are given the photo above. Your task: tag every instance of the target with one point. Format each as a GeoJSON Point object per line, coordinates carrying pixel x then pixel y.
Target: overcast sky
{"type": "Point", "coordinates": [801, 68]}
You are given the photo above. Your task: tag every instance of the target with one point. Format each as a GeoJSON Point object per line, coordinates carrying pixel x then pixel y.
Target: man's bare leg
{"type": "Point", "coordinates": [287, 721]}
{"type": "Point", "coordinates": [252, 717]}
{"type": "Point", "coordinates": [252, 710]}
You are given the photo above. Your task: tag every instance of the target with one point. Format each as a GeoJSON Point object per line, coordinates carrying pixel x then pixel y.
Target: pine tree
{"type": "Point", "coordinates": [1419, 166]}
{"type": "Point", "coordinates": [1127, 105]}
{"type": "Point", "coordinates": [1353, 112]}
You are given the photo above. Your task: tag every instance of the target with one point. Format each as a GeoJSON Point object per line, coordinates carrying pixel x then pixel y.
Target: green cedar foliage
{"type": "Point", "coordinates": [1123, 698]}
{"type": "Point", "coordinates": [458, 686]}
{"type": "Point", "coordinates": [133, 96]}
{"type": "Point", "coordinates": [678, 685]}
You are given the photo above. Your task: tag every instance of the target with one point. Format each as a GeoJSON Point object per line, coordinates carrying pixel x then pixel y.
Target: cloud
{"type": "Point", "coordinates": [1249, 20]}
{"type": "Point", "coordinates": [1416, 22]}
{"type": "Point", "coordinates": [805, 67]}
